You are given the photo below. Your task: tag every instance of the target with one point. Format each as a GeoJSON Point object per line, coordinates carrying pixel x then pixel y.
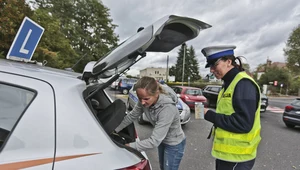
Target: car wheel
{"type": "Point", "coordinates": [141, 120]}
{"type": "Point", "coordinates": [125, 91]}
{"type": "Point", "coordinates": [128, 105]}
{"type": "Point", "coordinates": [289, 125]}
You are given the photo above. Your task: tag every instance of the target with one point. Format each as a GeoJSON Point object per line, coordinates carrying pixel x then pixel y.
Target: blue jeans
{"type": "Point", "coordinates": [170, 155]}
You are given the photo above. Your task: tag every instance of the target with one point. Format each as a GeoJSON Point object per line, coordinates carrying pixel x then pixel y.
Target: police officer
{"type": "Point", "coordinates": [236, 131]}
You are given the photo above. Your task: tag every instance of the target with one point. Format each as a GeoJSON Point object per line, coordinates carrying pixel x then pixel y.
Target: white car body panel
{"type": "Point", "coordinates": [34, 124]}
{"type": "Point", "coordinates": [77, 130]}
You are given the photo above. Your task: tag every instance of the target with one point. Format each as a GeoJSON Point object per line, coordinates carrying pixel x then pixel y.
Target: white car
{"type": "Point", "coordinates": [58, 120]}
{"type": "Point", "coordinates": [184, 110]}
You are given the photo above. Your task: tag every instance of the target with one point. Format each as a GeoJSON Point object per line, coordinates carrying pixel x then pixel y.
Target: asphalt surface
{"type": "Point", "coordinates": [279, 148]}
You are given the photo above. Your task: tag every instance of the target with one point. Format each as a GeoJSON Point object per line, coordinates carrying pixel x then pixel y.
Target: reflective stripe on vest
{"type": "Point", "coordinates": [235, 147]}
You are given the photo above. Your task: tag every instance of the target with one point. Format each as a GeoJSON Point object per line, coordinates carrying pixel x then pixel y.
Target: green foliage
{"type": "Point", "coordinates": [87, 26]}
{"type": "Point", "coordinates": [54, 47]}
{"type": "Point", "coordinates": [191, 66]}
{"type": "Point", "coordinates": [292, 51]}
{"type": "Point", "coordinates": [274, 74]}
{"type": "Point", "coordinates": [246, 67]}
{"type": "Point", "coordinates": [295, 86]}
{"type": "Point", "coordinates": [12, 14]}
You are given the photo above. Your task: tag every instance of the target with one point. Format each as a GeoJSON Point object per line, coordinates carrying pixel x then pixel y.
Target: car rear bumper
{"type": "Point", "coordinates": [263, 107]}
{"type": "Point", "coordinates": [291, 119]}
{"type": "Point", "coordinates": [185, 122]}
{"type": "Point", "coordinates": [185, 116]}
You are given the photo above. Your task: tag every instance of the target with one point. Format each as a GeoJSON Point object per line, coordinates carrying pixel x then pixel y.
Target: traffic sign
{"type": "Point", "coordinates": [26, 40]}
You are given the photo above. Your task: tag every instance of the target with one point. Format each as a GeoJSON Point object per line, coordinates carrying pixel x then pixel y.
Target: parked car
{"type": "Point", "coordinates": [114, 85]}
{"type": "Point", "coordinates": [291, 114]}
{"type": "Point", "coordinates": [184, 110]}
{"type": "Point", "coordinates": [211, 93]}
{"type": "Point", "coordinates": [57, 119]}
{"type": "Point", "coordinates": [190, 95]}
{"type": "Point", "coordinates": [125, 84]}
{"type": "Point", "coordinates": [264, 102]}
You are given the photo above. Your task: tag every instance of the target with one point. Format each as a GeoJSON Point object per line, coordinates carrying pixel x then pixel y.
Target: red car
{"type": "Point", "coordinates": [190, 95]}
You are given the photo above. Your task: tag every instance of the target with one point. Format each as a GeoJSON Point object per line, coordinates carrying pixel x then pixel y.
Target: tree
{"type": "Point", "coordinates": [86, 24]}
{"type": "Point", "coordinates": [12, 14]}
{"type": "Point", "coordinates": [292, 51]}
{"type": "Point", "coordinates": [191, 67]}
{"type": "Point", "coordinates": [54, 47]}
{"type": "Point", "coordinates": [272, 74]}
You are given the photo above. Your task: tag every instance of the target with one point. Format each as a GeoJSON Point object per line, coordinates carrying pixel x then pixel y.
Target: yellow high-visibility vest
{"type": "Point", "coordinates": [235, 147]}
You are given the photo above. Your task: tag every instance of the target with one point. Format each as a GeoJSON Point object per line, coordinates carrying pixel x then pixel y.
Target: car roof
{"type": "Point", "coordinates": [213, 85]}
{"type": "Point", "coordinates": [51, 75]}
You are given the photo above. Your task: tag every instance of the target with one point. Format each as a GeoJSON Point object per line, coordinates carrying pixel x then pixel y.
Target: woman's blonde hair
{"type": "Point", "coordinates": [150, 84]}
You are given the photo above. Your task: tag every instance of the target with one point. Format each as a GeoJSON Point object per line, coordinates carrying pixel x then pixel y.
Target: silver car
{"type": "Point", "coordinates": [184, 110]}
{"type": "Point", "coordinates": [57, 119]}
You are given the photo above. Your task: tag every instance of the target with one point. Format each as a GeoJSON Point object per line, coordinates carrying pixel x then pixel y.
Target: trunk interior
{"type": "Point", "coordinates": [110, 115]}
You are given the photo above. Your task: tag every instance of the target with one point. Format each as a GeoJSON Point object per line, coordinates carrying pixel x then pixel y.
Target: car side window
{"type": "Point", "coordinates": [177, 90]}
{"type": "Point", "coordinates": [13, 102]}
{"type": "Point", "coordinates": [215, 89]}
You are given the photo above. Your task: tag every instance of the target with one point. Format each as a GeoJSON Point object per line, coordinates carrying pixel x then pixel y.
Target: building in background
{"type": "Point", "coordinates": [261, 70]}
{"type": "Point", "coordinates": [158, 73]}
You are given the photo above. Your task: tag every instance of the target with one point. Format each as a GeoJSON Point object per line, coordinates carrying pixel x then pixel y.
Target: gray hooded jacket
{"type": "Point", "coordinates": [165, 118]}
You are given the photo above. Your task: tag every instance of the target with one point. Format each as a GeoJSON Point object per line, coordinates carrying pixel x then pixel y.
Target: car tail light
{"type": "Point", "coordinates": [143, 165]}
{"type": "Point", "coordinates": [289, 108]}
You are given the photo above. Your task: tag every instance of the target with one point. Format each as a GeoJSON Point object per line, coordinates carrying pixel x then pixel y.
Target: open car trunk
{"type": "Point", "coordinates": [110, 115]}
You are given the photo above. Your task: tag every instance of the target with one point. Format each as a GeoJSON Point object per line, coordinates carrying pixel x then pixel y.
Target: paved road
{"type": "Point", "coordinates": [278, 150]}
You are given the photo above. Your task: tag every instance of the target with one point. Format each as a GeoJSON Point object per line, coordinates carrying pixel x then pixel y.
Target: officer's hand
{"type": "Point", "coordinates": [205, 110]}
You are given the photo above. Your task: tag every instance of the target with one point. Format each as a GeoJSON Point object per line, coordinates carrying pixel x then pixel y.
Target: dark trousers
{"type": "Point", "coordinates": [224, 165]}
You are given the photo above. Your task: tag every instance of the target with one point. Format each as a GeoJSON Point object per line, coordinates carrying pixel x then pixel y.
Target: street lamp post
{"type": "Point", "coordinates": [184, 46]}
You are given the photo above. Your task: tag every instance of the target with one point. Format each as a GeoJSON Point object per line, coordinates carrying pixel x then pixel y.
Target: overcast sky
{"type": "Point", "coordinates": [259, 28]}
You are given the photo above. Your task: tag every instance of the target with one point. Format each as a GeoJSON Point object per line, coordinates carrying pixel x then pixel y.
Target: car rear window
{"type": "Point", "coordinates": [194, 92]}
{"type": "Point", "coordinates": [13, 101]}
{"type": "Point", "coordinates": [296, 102]}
